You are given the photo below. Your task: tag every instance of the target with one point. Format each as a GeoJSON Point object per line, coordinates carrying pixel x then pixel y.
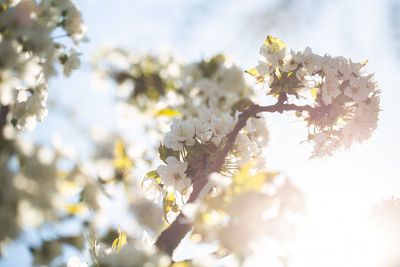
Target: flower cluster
{"type": "Point", "coordinates": [185, 132]}
{"type": "Point", "coordinates": [131, 253]}
{"type": "Point", "coordinates": [213, 177]}
{"type": "Point", "coordinates": [33, 186]}
{"type": "Point", "coordinates": [142, 79]}
{"type": "Point", "coordinates": [208, 117]}
{"type": "Point", "coordinates": [213, 167]}
{"type": "Point", "coordinates": [185, 148]}
{"type": "Point", "coordinates": [343, 97]}
{"type": "Point", "coordinates": [212, 86]}
{"type": "Point", "coordinates": [173, 174]}
{"type": "Point", "coordinates": [28, 52]}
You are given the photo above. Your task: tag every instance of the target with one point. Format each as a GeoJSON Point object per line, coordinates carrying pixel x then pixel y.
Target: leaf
{"type": "Point", "coordinates": [314, 92]}
{"type": "Point", "coordinates": [62, 59]}
{"type": "Point", "coordinates": [253, 72]}
{"type": "Point", "coordinates": [168, 203]}
{"type": "Point", "coordinates": [115, 243]}
{"type": "Point", "coordinates": [167, 112]}
{"type": "Point", "coordinates": [119, 149]}
{"type": "Point", "coordinates": [209, 67]}
{"type": "Point", "coordinates": [75, 208]}
{"type": "Point", "coordinates": [166, 152]}
{"type": "Point", "coordinates": [3, 7]}
{"type": "Point", "coordinates": [245, 181]}
{"type": "Point", "coordinates": [274, 43]}
{"type": "Point", "coordinates": [152, 93]}
{"type": "Point", "coordinates": [120, 241]}
{"type": "Point", "coordinates": [209, 218]}
{"type": "Point", "coordinates": [121, 160]}
{"type": "Point", "coordinates": [364, 63]}
{"type": "Point", "coordinates": [181, 264]}
{"type": "Point", "coordinates": [153, 174]}
{"type": "Point", "coordinates": [242, 104]}
{"type": "Point", "coordinates": [280, 74]}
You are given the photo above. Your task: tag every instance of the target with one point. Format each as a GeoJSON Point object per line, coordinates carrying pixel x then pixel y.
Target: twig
{"type": "Point", "coordinates": [3, 118]}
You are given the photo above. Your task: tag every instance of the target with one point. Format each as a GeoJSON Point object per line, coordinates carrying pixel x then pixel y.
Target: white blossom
{"type": "Point", "coordinates": [72, 62]}
{"type": "Point", "coordinates": [272, 56]}
{"type": "Point", "coordinates": [247, 149]}
{"type": "Point", "coordinates": [221, 126]}
{"type": "Point", "coordinates": [330, 87]}
{"type": "Point", "coordinates": [28, 54]}
{"type": "Point", "coordinates": [257, 131]}
{"type": "Point", "coordinates": [173, 174]}
{"type": "Point", "coordinates": [265, 68]}
{"type": "Point", "coordinates": [219, 181]}
{"type": "Point", "coordinates": [136, 253]}
{"type": "Point", "coordinates": [182, 133]}
{"type": "Point", "coordinates": [320, 138]}
{"type": "Point", "coordinates": [359, 88]}
{"type": "Point", "coordinates": [76, 262]}
{"type": "Point", "coordinates": [362, 124]}
{"type": "Point", "coordinates": [152, 190]}
{"type": "Point", "coordinates": [203, 131]}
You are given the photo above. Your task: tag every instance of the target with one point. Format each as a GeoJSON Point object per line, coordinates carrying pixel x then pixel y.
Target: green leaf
{"type": "Point", "coordinates": [274, 43]}
{"type": "Point", "coordinates": [3, 7]}
{"type": "Point", "coordinates": [168, 204]}
{"type": "Point", "coordinates": [242, 104]}
{"type": "Point", "coordinates": [120, 241]}
{"type": "Point", "coordinates": [168, 112]}
{"type": "Point", "coordinates": [153, 174]}
{"type": "Point", "coordinates": [62, 59]}
{"type": "Point", "coordinates": [254, 72]}
{"type": "Point", "coordinates": [364, 63]}
{"type": "Point", "coordinates": [14, 122]}
{"type": "Point", "coordinates": [181, 264]}
{"type": "Point", "coordinates": [152, 93]}
{"type": "Point", "coordinates": [73, 209]}
{"type": "Point", "coordinates": [121, 160]}
{"type": "Point", "coordinates": [209, 67]}
{"type": "Point", "coordinates": [166, 152]}
{"type": "Point", "coordinates": [314, 92]}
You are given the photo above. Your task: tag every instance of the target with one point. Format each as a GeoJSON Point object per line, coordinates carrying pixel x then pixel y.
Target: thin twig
{"type": "Point", "coordinates": [60, 36]}
{"type": "Point", "coordinates": [3, 118]}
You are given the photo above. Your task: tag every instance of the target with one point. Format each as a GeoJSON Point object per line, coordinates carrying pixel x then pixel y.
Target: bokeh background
{"type": "Point", "coordinates": [339, 190]}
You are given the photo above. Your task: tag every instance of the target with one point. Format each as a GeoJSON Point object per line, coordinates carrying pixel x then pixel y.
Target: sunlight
{"type": "Point", "coordinates": [339, 228]}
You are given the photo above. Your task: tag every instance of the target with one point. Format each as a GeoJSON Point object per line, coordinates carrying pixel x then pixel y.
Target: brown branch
{"type": "Point", "coordinates": [3, 118]}
{"type": "Point", "coordinates": [170, 238]}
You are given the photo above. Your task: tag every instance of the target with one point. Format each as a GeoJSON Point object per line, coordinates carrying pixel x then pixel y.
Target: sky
{"type": "Point", "coordinates": [341, 188]}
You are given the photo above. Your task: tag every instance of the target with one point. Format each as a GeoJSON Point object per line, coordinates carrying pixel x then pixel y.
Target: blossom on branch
{"type": "Point", "coordinates": [28, 53]}
{"type": "Point", "coordinates": [173, 174]}
{"type": "Point", "coordinates": [344, 98]}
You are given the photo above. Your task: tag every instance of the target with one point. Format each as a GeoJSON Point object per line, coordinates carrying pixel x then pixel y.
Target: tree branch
{"type": "Point", "coordinates": [170, 238]}
{"type": "Point", "coordinates": [3, 118]}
